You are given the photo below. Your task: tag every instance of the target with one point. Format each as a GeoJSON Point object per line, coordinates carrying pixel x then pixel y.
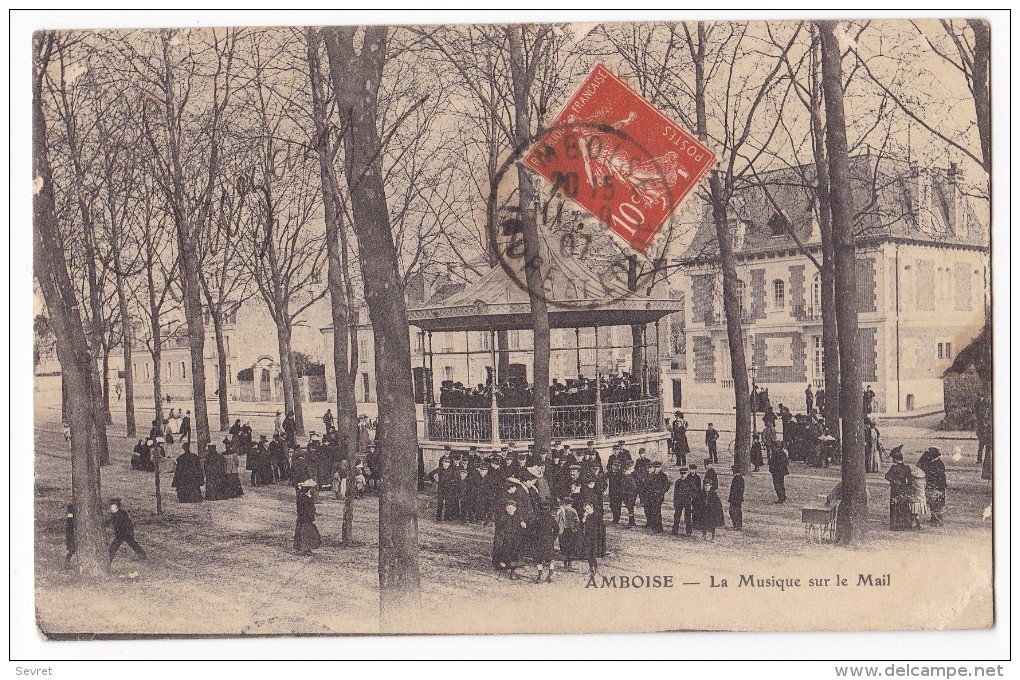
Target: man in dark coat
{"type": "Point", "coordinates": [615, 477]}
{"type": "Point", "coordinates": [184, 433]}
{"type": "Point", "coordinates": [188, 478]}
{"type": "Point", "coordinates": [711, 441]}
{"type": "Point", "coordinates": [809, 400]}
{"type": "Point", "coordinates": [278, 457]}
{"type": "Point", "coordinates": [779, 467]}
{"type": "Point", "coordinates": [655, 493]}
{"type": "Point", "coordinates": [736, 499]}
{"type": "Point", "coordinates": [684, 492]}
{"type": "Point", "coordinates": [123, 530]}
{"type": "Point", "coordinates": [442, 477]}
{"type": "Point", "coordinates": [290, 428]}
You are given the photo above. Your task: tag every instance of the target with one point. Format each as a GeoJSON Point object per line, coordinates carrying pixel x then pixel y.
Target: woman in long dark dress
{"type": "Point", "coordinates": [900, 482]}
{"type": "Point", "coordinates": [215, 475]}
{"type": "Point", "coordinates": [306, 534]}
{"type": "Point", "coordinates": [231, 467]}
{"type": "Point", "coordinates": [935, 483]}
{"type": "Point", "coordinates": [188, 477]}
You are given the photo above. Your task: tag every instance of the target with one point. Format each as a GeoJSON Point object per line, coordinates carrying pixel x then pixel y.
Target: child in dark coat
{"type": "Point", "coordinates": [545, 531]}
{"type": "Point", "coordinates": [123, 530]}
{"type": "Point", "coordinates": [508, 537]}
{"type": "Point", "coordinates": [712, 517]}
{"type": "Point", "coordinates": [591, 530]}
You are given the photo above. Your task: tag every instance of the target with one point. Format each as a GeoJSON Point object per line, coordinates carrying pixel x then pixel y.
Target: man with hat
{"type": "Point", "coordinates": [442, 477]}
{"type": "Point", "coordinates": [678, 437]}
{"type": "Point", "coordinates": [619, 454]}
{"type": "Point", "coordinates": [935, 484]}
{"type": "Point", "coordinates": [779, 467]}
{"type": "Point", "coordinates": [188, 478]}
{"type": "Point", "coordinates": [123, 530]}
{"type": "Point", "coordinates": [655, 493]}
{"type": "Point", "coordinates": [300, 470]}
{"type": "Point", "coordinates": [683, 500]}
{"type": "Point", "coordinates": [736, 499]}
{"type": "Point", "coordinates": [508, 538]}
{"type": "Point", "coordinates": [711, 441]}
{"type": "Point", "coordinates": [569, 457]}
{"type": "Point", "coordinates": [278, 456]}
{"type": "Point", "coordinates": [711, 477]}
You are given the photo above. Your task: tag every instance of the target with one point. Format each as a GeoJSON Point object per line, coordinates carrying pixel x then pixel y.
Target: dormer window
{"type": "Point", "coordinates": [778, 225]}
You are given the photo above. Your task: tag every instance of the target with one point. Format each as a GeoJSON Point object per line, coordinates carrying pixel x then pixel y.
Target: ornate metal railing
{"type": "Point", "coordinates": [517, 424]}
{"type": "Point", "coordinates": [628, 417]}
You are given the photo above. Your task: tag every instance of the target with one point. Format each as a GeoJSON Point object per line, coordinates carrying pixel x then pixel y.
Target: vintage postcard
{"type": "Point", "coordinates": [513, 328]}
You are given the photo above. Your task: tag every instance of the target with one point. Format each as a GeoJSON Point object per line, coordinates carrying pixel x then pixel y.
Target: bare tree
{"type": "Point", "coordinates": [78, 108]}
{"type": "Point", "coordinates": [356, 76]}
{"type": "Point", "coordinates": [327, 141]}
{"type": "Point", "coordinates": [853, 517]}
{"type": "Point", "coordinates": [187, 79]}
{"type": "Point", "coordinates": [87, 427]}
{"type": "Point", "coordinates": [713, 47]}
{"type": "Point", "coordinates": [283, 252]}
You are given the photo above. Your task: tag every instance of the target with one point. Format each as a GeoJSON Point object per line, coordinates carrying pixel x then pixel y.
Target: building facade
{"type": "Point", "coordinates": [922, 281]}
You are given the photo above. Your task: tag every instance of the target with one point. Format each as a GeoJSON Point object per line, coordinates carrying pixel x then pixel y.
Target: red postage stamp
{"type": "Point", "coordinates": [619, 158]}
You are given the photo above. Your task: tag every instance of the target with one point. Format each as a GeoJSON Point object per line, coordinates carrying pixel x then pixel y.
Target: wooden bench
{"type": "Point", "coordinates": [818, 519]}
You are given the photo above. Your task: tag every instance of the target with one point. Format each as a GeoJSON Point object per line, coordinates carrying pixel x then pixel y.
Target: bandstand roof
{"type": "Point", "coordinates": [577, 297]}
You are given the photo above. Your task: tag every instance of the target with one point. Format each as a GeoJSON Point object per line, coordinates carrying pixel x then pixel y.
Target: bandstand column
{"type": "Point", "coordinates": [426, 395]}
{"type": "Point", "coordinates": [598, 388]}
{"type": "Point", "coordinates": [467, 358]}
{"type": "Point", "coordinates": [577, 344]}
{"type": "Point", "coordinates": [494, 406]}
{"type": "Point", "coordinates": [256, 384]}
{"type": "Point", "coordinates": [658, 373]}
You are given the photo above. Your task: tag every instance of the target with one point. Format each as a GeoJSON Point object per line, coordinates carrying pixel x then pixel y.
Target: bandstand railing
{"type": "Point", "coordinates": [628, 417]}
{"type": "Point", "coordinates": [455, 424]}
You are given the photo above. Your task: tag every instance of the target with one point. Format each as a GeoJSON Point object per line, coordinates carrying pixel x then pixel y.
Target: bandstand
{"type": "Point", "coordinates": [579, 304]}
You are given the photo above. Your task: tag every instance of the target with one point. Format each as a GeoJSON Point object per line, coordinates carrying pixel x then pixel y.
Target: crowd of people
{"type": "Point", "coordinates": [320, 464]}
{"type": "Point", "coordinates": [546, 507]}
{"type": "Point", "coordinates": [552, 507]}
{"type": "Point", "coordinates": [515, 392]}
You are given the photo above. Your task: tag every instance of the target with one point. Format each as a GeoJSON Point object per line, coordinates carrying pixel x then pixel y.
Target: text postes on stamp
{"type": "Point", "coordinates": [619, 158]}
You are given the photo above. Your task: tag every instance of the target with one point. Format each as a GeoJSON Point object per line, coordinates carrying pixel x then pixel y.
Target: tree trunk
{"type": "Point", "coordinates": [535, 268]}
{"type": "Point", "coordinates": [221, 372]}
{"type": "Point", "coordinates": [76, 363]}
{"type": "Point", "coordinates": [502, 352]}
{"type": "Point", "coordinates": [157, 387]}
{"type": "Point", "coordinates": [286, 368]}
{"type": "Point", "coordinates": [127, 338]}
{"type": "Point", "coordinates": [853, 515]}
{"type": "Point", "coordinates": [982, 96]}
{"type": "Point", "coordinates": [727, 261]}
{"type": "Point", "coordinates": [827, 275]}
{"type": "Point", "coordinates": [347, 408]}
{"type": "Point", "coordinates": [356, 78]}
{"type": "Point", "coordinates": [299, 410]}
{"type": "Point", "coordinates": [107, 415]}
{"type": "Point", "coordinates": [192, 290]}
{"type": "Point", "coordinates": [637, 331]}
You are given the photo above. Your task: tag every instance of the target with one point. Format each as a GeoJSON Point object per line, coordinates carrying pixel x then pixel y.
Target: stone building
{"type": "Point", "coordinates": [922, 282]}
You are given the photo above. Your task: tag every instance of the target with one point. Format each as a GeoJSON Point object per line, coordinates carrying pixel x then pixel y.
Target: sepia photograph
{"type": "Point", "coordinates": [503, 328]}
